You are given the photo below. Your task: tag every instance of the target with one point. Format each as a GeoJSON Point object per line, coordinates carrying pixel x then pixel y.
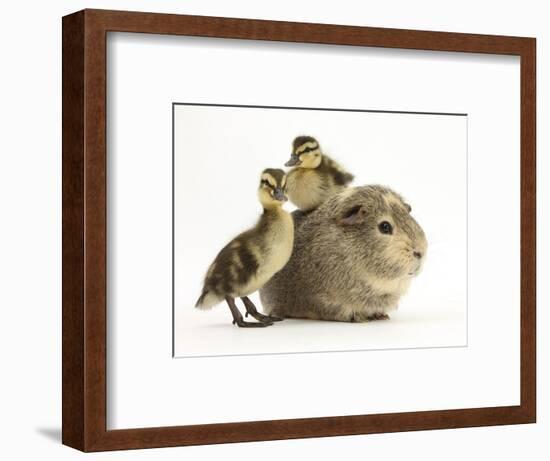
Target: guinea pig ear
{"type": "Point", "coordinates": [354, 215]}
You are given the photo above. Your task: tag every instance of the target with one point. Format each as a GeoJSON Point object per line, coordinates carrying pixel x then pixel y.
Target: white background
{"type": "Point", "coordinates": [30, 246]}
{"type": "Point", "coordinates": [219, 154]}
{"type": "Point", "coordinates": [145, 74]}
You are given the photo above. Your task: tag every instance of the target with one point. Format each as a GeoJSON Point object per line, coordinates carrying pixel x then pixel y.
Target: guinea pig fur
{"type": "Point", "coordinates": [353, 258]}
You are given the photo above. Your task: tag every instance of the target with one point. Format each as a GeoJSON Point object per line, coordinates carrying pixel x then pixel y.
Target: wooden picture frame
{"type": "Point", "coordinates": [85, 222]}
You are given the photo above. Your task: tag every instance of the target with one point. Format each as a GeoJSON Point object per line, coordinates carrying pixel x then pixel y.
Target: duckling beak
{"type": "Point", "coordinates": [294, 160]}
{"type": "Point", "coordinates": [278, 194]}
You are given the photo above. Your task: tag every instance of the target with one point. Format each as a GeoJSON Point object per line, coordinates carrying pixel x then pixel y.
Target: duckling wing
{"type": "Point", "coordinates": [234, 266]}
{"type": "Point", "coordinates": [339, 175]}
{"type": "Point", "coordinates": [343, 178]}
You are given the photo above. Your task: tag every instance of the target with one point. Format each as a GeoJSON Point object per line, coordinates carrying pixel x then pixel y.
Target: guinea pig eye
{"type": "Point", "coordinates": [408, 207]}
{"type": "Point", "coordinates": [385, 227]}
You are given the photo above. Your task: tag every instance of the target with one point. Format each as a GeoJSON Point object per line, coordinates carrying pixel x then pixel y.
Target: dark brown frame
{"type": "Point", "coordinates": [84, 229]}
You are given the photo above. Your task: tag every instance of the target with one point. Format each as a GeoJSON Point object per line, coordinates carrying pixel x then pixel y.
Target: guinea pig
{"type": "Point", "coordinates": [353, 258]}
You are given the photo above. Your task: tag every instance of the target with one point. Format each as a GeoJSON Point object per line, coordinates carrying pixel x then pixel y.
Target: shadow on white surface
{"type": "Point", "coordinates": [51, 433]}
{"type": "Point", "coordinates": [212, 334]}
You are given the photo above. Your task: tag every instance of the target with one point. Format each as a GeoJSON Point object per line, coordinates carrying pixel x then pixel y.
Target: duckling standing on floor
{"type": "Point", "coordinates": [315, 176]}
{"type": "Point", "coordinates": [248, 261]}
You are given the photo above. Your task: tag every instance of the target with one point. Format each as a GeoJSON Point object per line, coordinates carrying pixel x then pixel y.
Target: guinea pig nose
{"type": "Point", "coordinates": [417, 254]}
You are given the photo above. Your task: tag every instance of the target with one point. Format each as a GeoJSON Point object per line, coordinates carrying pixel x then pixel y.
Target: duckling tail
{"type": "Point", "coordinates": [207, 300]}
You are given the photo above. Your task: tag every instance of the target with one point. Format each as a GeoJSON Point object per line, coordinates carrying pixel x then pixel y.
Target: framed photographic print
{"type": "Point", "coordinates": [278, 230]}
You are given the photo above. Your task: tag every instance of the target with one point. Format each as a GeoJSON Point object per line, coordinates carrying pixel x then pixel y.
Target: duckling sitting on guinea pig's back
{"type": "Point", "coordinates": [314, 176]}
{"type": "Point", "coordinates": [249, 260]}
{"type": "Point", "coordinates": [353, 258]}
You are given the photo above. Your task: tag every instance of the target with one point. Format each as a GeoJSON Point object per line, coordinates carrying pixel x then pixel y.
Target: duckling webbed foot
{"type": "Point", "coordinates": [238, 317]}
{"type": "Point", "coordinates": [251, 309]}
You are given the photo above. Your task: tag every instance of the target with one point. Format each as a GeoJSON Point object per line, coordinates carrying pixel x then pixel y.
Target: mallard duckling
{"type": "Point", "coordinates": [315, 176]}
{"type": "Point", "coordinates": [248, 261]}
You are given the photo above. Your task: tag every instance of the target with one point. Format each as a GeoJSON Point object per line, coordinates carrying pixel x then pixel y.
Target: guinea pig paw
{"type": "Point", "coordinates": [379, 316]}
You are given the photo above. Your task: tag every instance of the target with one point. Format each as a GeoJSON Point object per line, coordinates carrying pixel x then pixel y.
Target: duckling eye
{"type": "Point", "coordinates": [385, 227]}
{"type": "Point", "coordinates": [265, 182]}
